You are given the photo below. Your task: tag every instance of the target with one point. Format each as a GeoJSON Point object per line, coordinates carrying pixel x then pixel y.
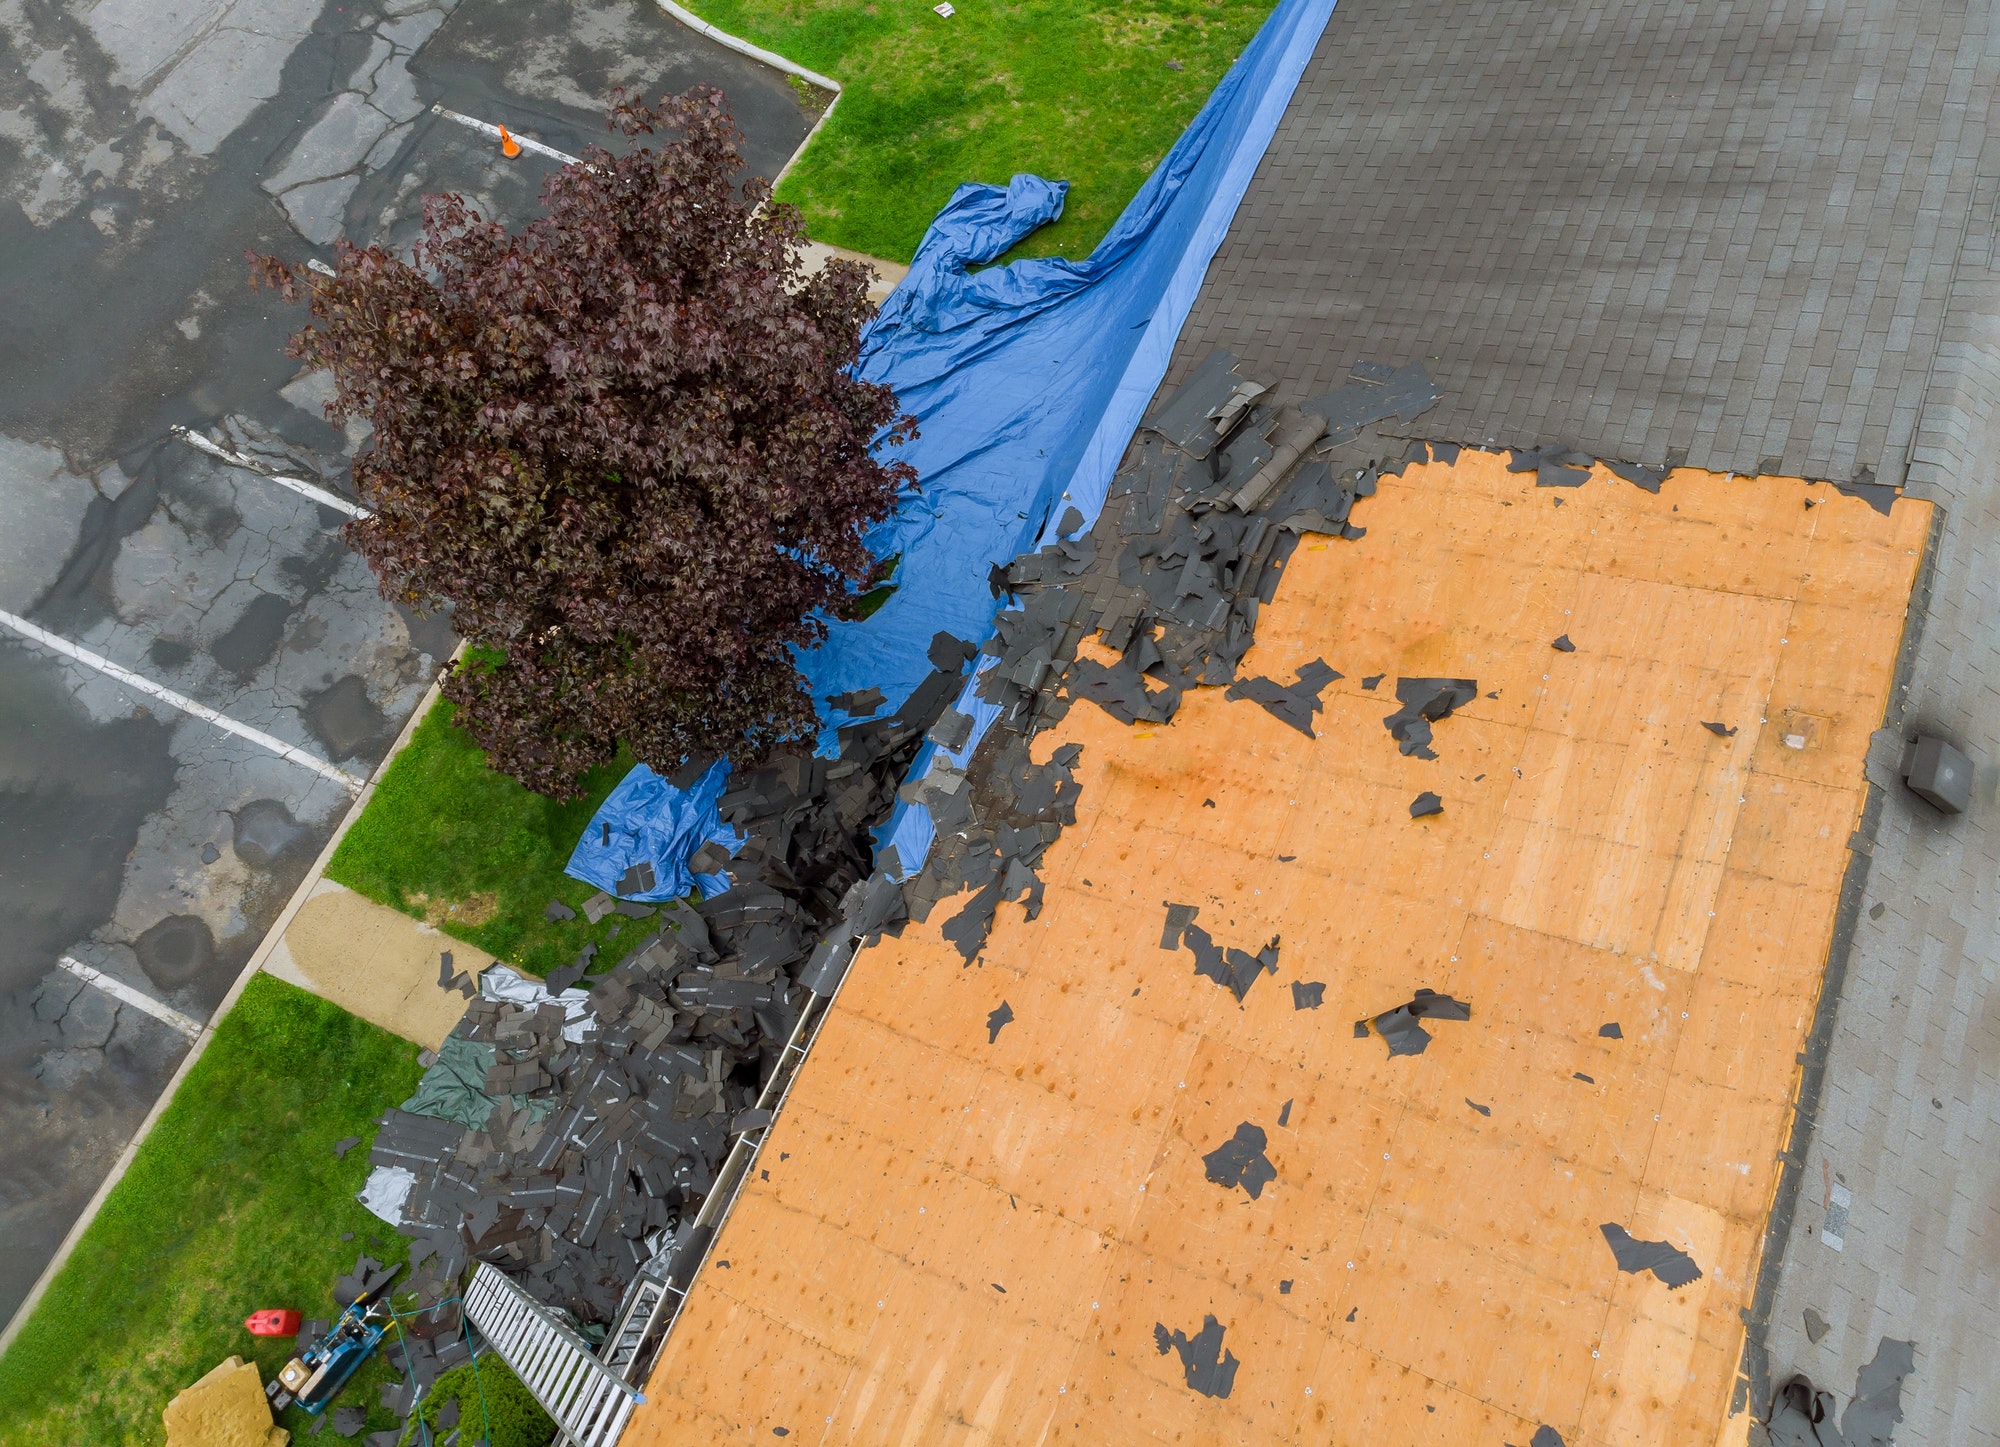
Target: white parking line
{"type": "Point", "coordinates": [250, 464]}
{"type": "Point", "coordinates": [181, 701]}
{"type": "Point", "coordinates": [487, 129]}
{"type": "Point", "coordinates": [119, 990]}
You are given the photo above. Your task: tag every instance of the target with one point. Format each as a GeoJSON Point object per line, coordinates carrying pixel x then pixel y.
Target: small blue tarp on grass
{"type": "Point", "coordinates": [650, 821]}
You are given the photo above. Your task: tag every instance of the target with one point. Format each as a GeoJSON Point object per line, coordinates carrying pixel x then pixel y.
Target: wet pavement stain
{"type": "Point", "coordinates": [253, 638]}
{"type": "Point", "coordinates": [175, 952]}
{"type": "Point", "coordinates": [265, 833]}
{"type": "Point", "coordinates": [346, 721]}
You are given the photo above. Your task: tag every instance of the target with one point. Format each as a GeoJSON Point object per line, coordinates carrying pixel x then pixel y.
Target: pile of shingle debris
{"type": "Point", "coordinates": [1197, 527]}
{"type": "Point", "coordinates": [605, 1140]}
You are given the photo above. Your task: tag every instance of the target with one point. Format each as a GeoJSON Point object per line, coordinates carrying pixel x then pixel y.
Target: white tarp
{"type": "Point", "coordinates": [387, 1190]}
{"type": "Point", "coordinates": [500, 983]}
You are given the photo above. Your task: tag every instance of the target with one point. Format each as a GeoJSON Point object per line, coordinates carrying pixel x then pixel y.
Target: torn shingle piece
{"type": "Point", "coordinates": [951, 654]}
{"type": "Point", "coordinates": [1611, 1031]}
{"type": "Point", "coordinates": [1285, 1115]}
{"type": "Point", "coordinates": [859, 702]}
{"type": "Point", "coordinates": [639, 879]}
{"type": "Point", "coordinates": [1240, 1161]}
{"type": "Point", "coordinates": [1399, 1026]}
{"type": "Point", "coordinates": [1425, 701]}
{"type": "Point", "coordinates": [1208, 958]}
{"type": "Point", "coordinates": [1308, 995]}
{"type": "Point", "coordinates": [1666, 1261]}
{"type": "Point", "coordinates": [1294, 703]}
{"type": "Point", "coordinates": [1482, 1109]}
{"type": "Point", "coordinates": [1184, 418]}
{"type": "Point", "coordinates": [998, 1020]}
{"type": "Point", "coordinates": [1647, 479]}
{"type": "Point", "coordinates": [1208, 1369]}
{"type": "Point", "coordinates": [953, 730]}
{"type": "Point", "coordinates": [557, 912]}
{"type": "Point", "coordinates": [345, 1144]}
{"type": "Point", "coordinates": [597, 906]}
{"type": "Point", "coordinates": [969, 927]}
{"type": "Point", "coordinates": [1425, 805]}
{"type": "Point", "coordinates": [1878, 495]}
{"type": "Point", "coordinates": [562, 977]}
{"type": "Point", "coordinates": [1563, 645]}
{"type": "Point", "coordinates": [1405, 392]}
{"type": "Point", "coordinates": [1721, 731]}
{"type": "Point", "coordinates": [711, 858]}
{"type": "Point", "coordinates": [1550, 473]}
{"type": "Point", "coordinates": [1179, 917]}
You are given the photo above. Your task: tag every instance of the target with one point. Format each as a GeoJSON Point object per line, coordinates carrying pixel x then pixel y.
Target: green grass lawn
{"type": "Point", "coordinates": [1074, 90]}
{"type": "Point", "coordinates": [493, 1403]}
{"type": "Point", "coordinates": [448, 840]}
{"type": "Point", "coordinates": [234, 1202]}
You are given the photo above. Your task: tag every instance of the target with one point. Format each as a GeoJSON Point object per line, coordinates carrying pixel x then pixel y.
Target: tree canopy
{"type": "Point", "coordinates": [623, 446]}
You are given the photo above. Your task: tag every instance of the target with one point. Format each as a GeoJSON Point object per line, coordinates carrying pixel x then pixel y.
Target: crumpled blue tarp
{"type": "Point", "coordinates": [653, 821]}
{"type": "Point", "coordinates": [1027, 380]}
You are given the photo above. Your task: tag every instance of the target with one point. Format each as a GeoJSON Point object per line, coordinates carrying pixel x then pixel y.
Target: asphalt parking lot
{"type": "Point", "coordinates": [144, 148]}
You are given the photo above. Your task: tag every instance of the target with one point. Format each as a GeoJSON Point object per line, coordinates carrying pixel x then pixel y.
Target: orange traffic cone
{"type": "Point", "coordinates": [509, 147]}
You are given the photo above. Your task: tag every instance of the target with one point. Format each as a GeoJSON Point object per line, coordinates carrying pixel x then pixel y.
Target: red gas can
{"type": "Point", "coordinates": [272, 1322]}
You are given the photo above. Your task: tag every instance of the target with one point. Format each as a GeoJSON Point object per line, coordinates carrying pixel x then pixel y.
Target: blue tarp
{"type": "Point", "coordinates": [1028, 380]}
{"type": "Point", "coordinates": [653, 822]}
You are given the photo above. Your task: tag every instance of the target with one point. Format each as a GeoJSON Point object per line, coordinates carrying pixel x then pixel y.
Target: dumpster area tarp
{"type": "Point", "coordinates": [455, 1087]}
{"type": "Point", "coordinates": [1028, 379]}
{"type": "Point", "coordinates": [647, 820]}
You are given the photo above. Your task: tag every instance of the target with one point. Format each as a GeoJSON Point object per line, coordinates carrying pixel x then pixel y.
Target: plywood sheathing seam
{"type": "Point", "coordinates": [964, 1240]}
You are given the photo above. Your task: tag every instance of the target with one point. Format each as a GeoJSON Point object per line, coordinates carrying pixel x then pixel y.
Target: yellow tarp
{"type": "Point", "coordinates": [226, 1408]}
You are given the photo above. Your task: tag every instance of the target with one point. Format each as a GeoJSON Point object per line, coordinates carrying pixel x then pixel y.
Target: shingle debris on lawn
{"type": "Point", "coordinates": [586, 1131]}
{"type": "Point", "coordinates": [593, 1129]}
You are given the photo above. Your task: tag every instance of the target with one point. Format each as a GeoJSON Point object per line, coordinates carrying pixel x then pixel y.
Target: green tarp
{"type": "Point", "coordinates": [455, 1087]}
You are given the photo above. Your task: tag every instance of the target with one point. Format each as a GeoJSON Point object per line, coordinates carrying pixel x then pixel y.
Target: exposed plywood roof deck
{"type": "Point", "coordinates": [954, 1240]}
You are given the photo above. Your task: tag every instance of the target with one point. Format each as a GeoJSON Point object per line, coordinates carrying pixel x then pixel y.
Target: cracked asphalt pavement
{"type": "Point", "coordinates": [145, 145]}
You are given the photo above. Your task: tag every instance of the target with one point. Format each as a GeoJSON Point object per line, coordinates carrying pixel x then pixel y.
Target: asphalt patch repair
{"type": "Point", "coordinates": [1601, 856]}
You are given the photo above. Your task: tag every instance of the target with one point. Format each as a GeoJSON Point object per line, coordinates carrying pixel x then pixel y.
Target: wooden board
{"type": "Point", "coordinates": [954, 1241]}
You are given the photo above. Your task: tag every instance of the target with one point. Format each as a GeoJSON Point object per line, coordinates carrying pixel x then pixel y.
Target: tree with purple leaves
{"type": "Point", "coordinates": [624, 447]}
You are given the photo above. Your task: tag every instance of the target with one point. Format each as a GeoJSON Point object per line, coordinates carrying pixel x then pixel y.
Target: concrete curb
{"type": "Point", "coordinates": [195, 1051]}
{"type": "Point", "coordinates": [744, 47]}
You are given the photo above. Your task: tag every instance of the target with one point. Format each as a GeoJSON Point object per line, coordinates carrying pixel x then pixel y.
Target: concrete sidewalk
{"type": "Point", "coordinates": [374, 962]}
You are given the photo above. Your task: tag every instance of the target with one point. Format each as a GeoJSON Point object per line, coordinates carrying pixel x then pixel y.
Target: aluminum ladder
{"type": "Point", "coordinates": [589, 1402]}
